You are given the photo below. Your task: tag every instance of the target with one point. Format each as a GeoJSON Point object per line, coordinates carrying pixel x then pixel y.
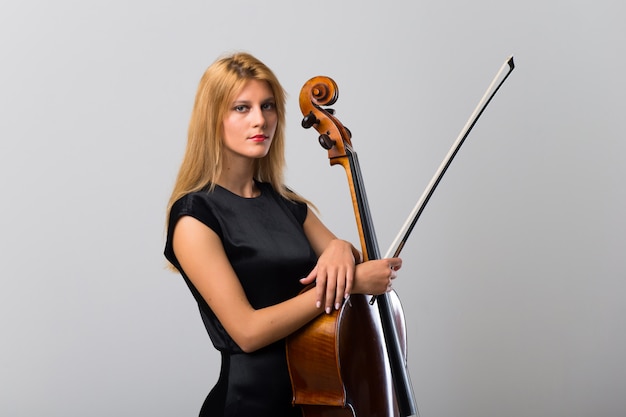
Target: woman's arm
{"type": "Point", "coordinates": [202, 257]}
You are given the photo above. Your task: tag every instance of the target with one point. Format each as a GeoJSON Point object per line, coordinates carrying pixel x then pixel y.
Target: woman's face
{"type": "Point", "coordinates": [250, 121]}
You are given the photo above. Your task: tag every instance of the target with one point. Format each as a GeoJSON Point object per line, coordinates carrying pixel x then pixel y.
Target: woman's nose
{"type": "Point", "coordinates": [258, 118]}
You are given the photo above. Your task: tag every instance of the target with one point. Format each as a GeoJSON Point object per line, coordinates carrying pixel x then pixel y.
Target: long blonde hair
{"type": "Point", "coordinates": [202, 162]}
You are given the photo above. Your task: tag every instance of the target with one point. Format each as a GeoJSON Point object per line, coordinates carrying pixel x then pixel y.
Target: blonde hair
{"type": "Point", "coordinates": [202, 163]}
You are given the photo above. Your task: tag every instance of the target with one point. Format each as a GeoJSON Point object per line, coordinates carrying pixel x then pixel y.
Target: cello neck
{"type": "Point", "coordinates": [361, 208]}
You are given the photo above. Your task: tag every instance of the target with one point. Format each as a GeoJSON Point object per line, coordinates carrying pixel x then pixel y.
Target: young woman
{"type": "Point", "coordinates": [247, 246]}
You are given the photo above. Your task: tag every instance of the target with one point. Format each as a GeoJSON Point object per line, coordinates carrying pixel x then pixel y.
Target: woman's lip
{"type": "Point", "coordinates": [259, 137]}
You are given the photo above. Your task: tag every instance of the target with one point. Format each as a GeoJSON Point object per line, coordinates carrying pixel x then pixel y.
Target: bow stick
{"type": "Point", "coordinates": [407, 228]}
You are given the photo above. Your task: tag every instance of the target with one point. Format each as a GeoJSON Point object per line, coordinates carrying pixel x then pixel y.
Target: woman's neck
{"type": "Point", "coordinates": [248, 189]}
{"type": "Point", "coordinates": [238, 182]}
{"type": "Point", "coordinates": [237, 176]}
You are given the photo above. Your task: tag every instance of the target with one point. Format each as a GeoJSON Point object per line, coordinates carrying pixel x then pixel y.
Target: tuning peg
{"type": "Point", "coordinates": [326, 142]}
{"type": "Point", "coordinates": [309, 120]}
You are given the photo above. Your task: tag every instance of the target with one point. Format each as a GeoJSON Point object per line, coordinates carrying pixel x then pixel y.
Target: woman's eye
{"type": "Point", "coordinates": [269, 106]}
{"type": "Point", "coordinates": [240, 108]}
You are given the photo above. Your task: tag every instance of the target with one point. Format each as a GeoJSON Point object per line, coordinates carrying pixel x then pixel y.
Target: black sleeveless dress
{"type": "Point", "coordinates": [266, 245]}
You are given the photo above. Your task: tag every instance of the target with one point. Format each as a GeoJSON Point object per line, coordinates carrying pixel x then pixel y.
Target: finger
{"type": "Point", "coordinates": [395, 263]}
{"type": "Point", "coordinates": [393, 274]}
{"type": "Point", "coordinates": [309, 278]}
{"type": "Point", "coordinates": [340, 290]}
{"type": "Point", "coordinates": [331, 288]}
{"type": "Point", "coordinates": [349, 282]}
{"type": "Point", "coordinates": [320, 287]}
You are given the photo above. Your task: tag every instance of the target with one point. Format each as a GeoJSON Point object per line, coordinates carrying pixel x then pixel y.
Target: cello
{"type": "Point", "coordinates": [351, 362]}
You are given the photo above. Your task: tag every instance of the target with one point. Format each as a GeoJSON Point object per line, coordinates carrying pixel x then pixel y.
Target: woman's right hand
{"type": "Point", "coordinates": [374, 277]}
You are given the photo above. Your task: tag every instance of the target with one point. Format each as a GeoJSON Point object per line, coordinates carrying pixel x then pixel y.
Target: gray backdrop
{"type": "Point", "coordinates": [513, 284]}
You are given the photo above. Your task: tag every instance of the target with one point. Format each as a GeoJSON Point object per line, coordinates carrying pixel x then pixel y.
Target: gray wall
{"type": "Point", "coordinates": [513, 284]}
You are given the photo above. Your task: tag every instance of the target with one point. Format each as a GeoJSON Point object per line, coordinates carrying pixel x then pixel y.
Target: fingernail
{"type": "Point", "coordinates": [337, 306]}
{"type": "Point", "coordinates": [318, 304]}
{"type": "Point", "coordinates": [328, 309]}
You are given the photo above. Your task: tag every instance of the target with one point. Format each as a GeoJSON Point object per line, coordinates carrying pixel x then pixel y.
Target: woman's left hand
{"type": "Point", "coordinates": [333, 274]}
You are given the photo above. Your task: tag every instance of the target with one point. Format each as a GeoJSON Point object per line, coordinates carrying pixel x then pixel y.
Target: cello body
{"type": "Point", "coordinates": [338, 363]}
{"type": "Point", "coordinates": [351, 362]}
